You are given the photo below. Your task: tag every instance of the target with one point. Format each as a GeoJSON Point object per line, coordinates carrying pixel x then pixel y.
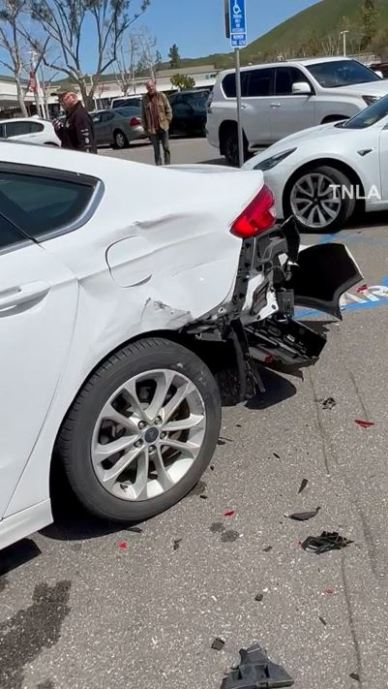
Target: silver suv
{"type": "Point", "coordinates": [282, 98]}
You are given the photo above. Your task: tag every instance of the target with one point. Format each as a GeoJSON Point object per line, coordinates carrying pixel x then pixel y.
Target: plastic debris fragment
{"type": "Point", "coordinates": [364, 424]}
{"type": "Point", "coordinates": [325, 542]}
{"type": "Point", "coordinates": [256, 671]}
{"type": "Point", "coordinates": [177, 542]}
{"type": "Point", "coordinates": [355, 676]}
{"type": "Point", "coordinates": [329, 403]}
{"type": "Point", "coordinates": [303, 516]}
{"type": "Point", "coordinates": [218, 644]}
{"type": "Point", "coordinates": [122, 545]}
{"type": "Point", "coordinates": [303, 485]}
{"type": "Point", "coordinates": [229, 513]}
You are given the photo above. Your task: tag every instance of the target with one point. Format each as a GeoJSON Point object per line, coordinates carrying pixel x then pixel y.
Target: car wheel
{"type": "Point", "coordinates": [321, 198]}
{"type": "Point", "coordinates": [230, 147]}
{"type": "Point", "coordinates": [120, 140]}
{"type": "Point", "coordinates": [142, 431]}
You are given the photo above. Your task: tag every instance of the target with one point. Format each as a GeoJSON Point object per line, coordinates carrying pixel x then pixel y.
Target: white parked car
{"type": "Point", "coordinates": [117, 312]}
{"type": "Point", "coordinates": [31, 130]}
{"type": "Point", "coordinates": [282, 98]}
{"type": "Point", "coordinates": [321, 174]}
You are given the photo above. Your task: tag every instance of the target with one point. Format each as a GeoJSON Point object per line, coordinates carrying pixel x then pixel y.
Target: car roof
{"type": "Point", "coordinates": [305, 62]}
{"type": "Point", "coordinates": [22, 119]}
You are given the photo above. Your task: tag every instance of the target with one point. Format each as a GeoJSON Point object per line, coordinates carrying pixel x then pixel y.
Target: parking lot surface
{"type": "Point", "coordinates": [91, 606]}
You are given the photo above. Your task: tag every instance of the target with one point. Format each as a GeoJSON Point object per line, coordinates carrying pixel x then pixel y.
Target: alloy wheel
{"type": "Point", "coordinates": [315, 200]}
{"type": "Point", "coordinates": [148, 435]}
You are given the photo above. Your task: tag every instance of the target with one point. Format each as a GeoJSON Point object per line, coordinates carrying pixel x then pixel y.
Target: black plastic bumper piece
{"type": "Point", "coordinates": [256, 671]}
{"type": "Point", "coordinates": [286, 341]}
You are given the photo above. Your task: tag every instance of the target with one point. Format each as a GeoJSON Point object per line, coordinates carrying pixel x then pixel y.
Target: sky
{"type": "Point", "coordinates": [197, 26]}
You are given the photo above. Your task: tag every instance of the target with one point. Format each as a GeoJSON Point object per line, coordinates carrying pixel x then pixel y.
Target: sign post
{"type": "Point", "coordinates": [235, 14]}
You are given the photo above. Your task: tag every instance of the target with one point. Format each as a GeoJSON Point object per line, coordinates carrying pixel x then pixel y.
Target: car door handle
{"type": "Point", "coordinates": [275, 106]}
{"type": "Point", "coordinates": [23, 294]}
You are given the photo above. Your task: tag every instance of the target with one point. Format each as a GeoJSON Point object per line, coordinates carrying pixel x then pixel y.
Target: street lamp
{"type": "Point", "coordinates": [344, 35]}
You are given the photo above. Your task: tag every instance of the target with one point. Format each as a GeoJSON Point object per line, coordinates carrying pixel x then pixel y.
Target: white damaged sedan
{"type": "Point", "coordinates": [124, 290]}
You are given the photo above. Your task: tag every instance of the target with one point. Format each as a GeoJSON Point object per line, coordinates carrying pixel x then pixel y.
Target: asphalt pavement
{"type": "Point", "coordinates": [88, 606]}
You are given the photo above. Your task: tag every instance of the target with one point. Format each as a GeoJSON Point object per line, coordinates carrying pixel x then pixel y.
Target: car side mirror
{"type": "Point", "coordinates": [379, 74]}
{"type": "Point", "coordinates": [301, 88]}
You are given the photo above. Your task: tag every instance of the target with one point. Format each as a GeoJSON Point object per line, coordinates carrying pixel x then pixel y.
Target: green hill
{"type": "Point", "coordinates": [306, 32]}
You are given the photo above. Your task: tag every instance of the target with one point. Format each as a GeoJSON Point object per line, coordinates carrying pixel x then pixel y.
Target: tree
{"type": "Point", "coordinates": [126, 62]}
{"type": "Point", "coordinates": [174, 57]}
{"type": "Point", "coordinates": [379, 44]}
{"type": "Point", "coordinates": [65, 24]}
{"type": "Point", "coordinates": [182, 82]}
{"type": "Point", "coordinates": [369, 22]}
{"type": "Point", "coordinates": [150, 57]}
{"type": "Point", "coordinates": [14, 46]}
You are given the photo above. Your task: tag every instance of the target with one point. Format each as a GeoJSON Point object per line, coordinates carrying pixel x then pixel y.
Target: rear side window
{"type": "Point", "coordinates": [261, 82]}
{"type": "Point", "coordinates": [42, 205]}
{"type": "Point", "coordinates": [36, 127]}
{"type": "Point", "coordinates": [254, 83]}
{"type": "Point", "coordinates": [229, 85]}
{"type": "Point", "coordinates": [17, 128]}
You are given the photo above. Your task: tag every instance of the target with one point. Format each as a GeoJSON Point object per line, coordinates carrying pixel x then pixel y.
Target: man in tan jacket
{"type": "Point", "coordinates": [156, 117]}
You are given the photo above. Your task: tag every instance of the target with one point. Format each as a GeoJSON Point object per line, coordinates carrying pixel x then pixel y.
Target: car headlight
{"type": "Point", "coordinates": [269, 163]}
{"type": "Point", "coordinates": [370, 99]}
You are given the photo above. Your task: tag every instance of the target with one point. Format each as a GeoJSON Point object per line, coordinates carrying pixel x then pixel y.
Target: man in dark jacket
{"type": "Point", "coordinates": [77, 132]}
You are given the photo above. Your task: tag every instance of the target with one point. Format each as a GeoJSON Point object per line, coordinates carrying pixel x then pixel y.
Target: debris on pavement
{"type": "Point", "coordinates": [134, 529]}
{"type": "Point", "coordinates": [303, 516]}
{"type": "Point", "coordinates": [275, 454]}
{"type": "Point", "coordinates": [259, 597]}
{"type": "Point", "coordinates": [364, 424]}
{"type": "Point", "coordinates": [203, 497]}
{"type": "Point", "coordinates": [229, 513]}
{"type": "Point", "coordinates": [322, 619]}
{"type": "Point", "coordinates": [177, 542]}
{"type": "Point", "coordinates": [267, 549]}
{"type": "Point", "coordinates": [230, 536]}
{"type": "Point", "coordinates": [218, 644]}
{"type": "Point", "coordinates": [212, 467]}
{"type": "Point", "coordinates": [256, 671]}
{"type": "Point", "coordinates": [355, 676]}
{"type": "Point", "coordinates": [217, 527]}
{"type": "Point", "coordinates": [325, 542]}
{"type": "Point", "coordinates": [329, 403]}
{"type": "Point", "coordinates": [328, 591]}
{"type": "Point", "coordinates": [122, 545]}
{"type": "Point", "coordinates": [303, 485]}
{"type": "Point", "coordinates": [362, 288]}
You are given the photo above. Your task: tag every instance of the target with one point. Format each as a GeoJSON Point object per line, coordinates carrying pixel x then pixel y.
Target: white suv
{"type": "Point", "coordinates": [282, 98]}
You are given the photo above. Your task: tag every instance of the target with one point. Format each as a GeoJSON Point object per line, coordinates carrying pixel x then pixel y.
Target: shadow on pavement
{"type": "Point", "coordinates": [17, 555]}
{"type": "Point", "coordinates": [277, 389]}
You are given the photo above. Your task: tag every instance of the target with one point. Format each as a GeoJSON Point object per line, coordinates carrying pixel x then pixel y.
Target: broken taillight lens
{"type": "Point", "coordinates": [258, 217]}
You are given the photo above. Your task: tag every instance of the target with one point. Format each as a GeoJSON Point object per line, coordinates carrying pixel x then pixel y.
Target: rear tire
{"type": "Point", "coordinates": [120, 140]}
{"type": "Point", "coordinates": [307, 195]}
{"type": "Point", "coordinates": [98, 418]}
{"type": "Point", "coordinates": [229, 146]}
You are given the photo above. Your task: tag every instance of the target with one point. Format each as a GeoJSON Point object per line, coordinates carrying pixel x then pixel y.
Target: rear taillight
{"type": "Point", "coordinates": [258, 217]}
{"type": "Point", "coordinates": [134, 122]}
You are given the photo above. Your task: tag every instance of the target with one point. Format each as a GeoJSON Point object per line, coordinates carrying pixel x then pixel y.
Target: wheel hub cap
{"type": "Point", "coordinates": [151, 435]}
{"type": "Point", "coordinates": [148, 434]}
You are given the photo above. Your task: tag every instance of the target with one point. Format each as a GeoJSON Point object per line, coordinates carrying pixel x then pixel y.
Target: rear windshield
{"type": "Point", "coordinates": [124, 102]}
{"type": "Point", "coordinates": [341, 73]}
{"type": "Point", "coordinates": [368, 117]}
{"type": "Point", "coordinates": [128, 112]}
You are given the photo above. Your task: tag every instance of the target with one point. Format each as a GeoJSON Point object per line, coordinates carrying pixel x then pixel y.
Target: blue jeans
{"type": "Point", "coordinates": [161, 137]}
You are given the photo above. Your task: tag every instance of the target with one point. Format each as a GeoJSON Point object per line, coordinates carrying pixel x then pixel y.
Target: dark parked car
{"type": "Point", "coordinates": [117, 127]}
{"type": "Point", "coordinates": [189, 112]}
